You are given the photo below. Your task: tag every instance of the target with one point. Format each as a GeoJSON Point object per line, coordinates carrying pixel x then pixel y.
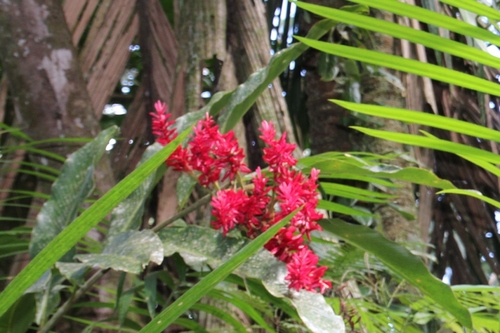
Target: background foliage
{"type": "Point", "coordinates": [120, 280]}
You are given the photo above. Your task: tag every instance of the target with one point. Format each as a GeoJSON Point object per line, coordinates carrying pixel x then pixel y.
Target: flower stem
{"type": "Point", "coordinates": [204, 200]}
{"type": "Point", "coordinates": [74, 297]}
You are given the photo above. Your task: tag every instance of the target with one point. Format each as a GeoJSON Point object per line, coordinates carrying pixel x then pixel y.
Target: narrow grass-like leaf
{"type": "Point", "coordinates": [246, 94]}
{"type": "Point", "coordinates": [183, 303]}
{"type": "Point", "coordinates": [399, 31]}
{"type": "Point", "coordinates": [247, 308]}
{"type": "Point", "coordinates": [422, 118]}
{"type": "Point", "coordinates": [63, 242]}
{"type": "Point", "coordinates": [20, 316]}
{"type": "Point", "coordinates": [433, 143]}
{"type": "Point", "coordinates": [406, 65]}
{"type": "Point", "coordinates": [191, 325]}
{"type": "Point", "coordinates": [353, 192]}
{"type": "Point", "coordinates": [472, 193]}
{"type": "Point", "coordinates": [342, 209]}
{"type": "Point", "coordinates": [222, 315]}
{"type": "Point", "coordinates": [339, 169]}
{"type": "Point", "coordinates": [401, 262]}
{"type": "Point", "coordinates": [433, 18]}
{"type": "Point", "coordinates": [475, 7]}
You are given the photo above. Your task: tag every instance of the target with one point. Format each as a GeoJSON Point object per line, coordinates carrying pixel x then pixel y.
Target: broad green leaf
{"type": "Point", "coordinates": [433, 18]}
{"type": "Point", "coordinates": [422, 118]}
{"type": "Point", "coordinates": [127, 215]}
{"type": "Point", "coordinates": [183, 303]}
{"type": "Point", "coordinates": [74, 272]}
{"type": "Point", "coordinates": [400, 261]}
{"type": "Point", "coordinates": [129, 251]}
{"type": "Point", "coordinates": [433, 143]}
{"type": "Point", "coordinates": [69, 191]}
{"type": "Point", "coordinates": [472, 193]}
{"type": "Point", "coordinates": [184, 188]}
{"type": "Point", "coordinates": [47, 296]}
{"type": "Point", "coordinates": [20, 316]}
{"type": "Point", "coordinates": [406, 65]}
{"type": "Point", "coordinates": [246, 94]}
{"type": "Point", "coordinates": [201, 246]}
{"type": "Point", "coordinates": [63, 242]}
{"type": "Point", "coordinates": [400, 31]}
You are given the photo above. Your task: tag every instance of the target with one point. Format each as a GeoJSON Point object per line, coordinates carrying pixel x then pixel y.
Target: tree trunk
{"type": "Point", "coordinates": [49, 92]}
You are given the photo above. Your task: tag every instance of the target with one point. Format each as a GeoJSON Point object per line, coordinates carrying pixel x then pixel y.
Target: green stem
{"type": "Point", "coordinates": [204, 200]}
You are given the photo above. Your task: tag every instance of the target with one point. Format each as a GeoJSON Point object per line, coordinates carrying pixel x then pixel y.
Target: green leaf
{"type": "Point", "coordinates": [69, 191]}
{"type": "Point", "coordinates": [401, 262]}
{"type": "Point", "coordinates": [191, 325]}
{"type": "Point", "coordinates": [475, 7]}
{"type": "Point", "coordinates": [234, 297]}
{"type": "Point", "coordinates": [202, 246]}
{"type": "Point", "coordinates": [472, 193]}
{"type": "Point", "coordinates": [402, 32]}
{"type": "Point", "coordinates": [75, 272]}
{"type": "Point", "coordinates": [353, 192]}
{"type": "Point", "coordinates": [183, 303]}
{"type": "Point", "coordinates": [128, 214]}
{"type": "Point", "coordinates": [342, 209]}
{"type": "Point", "coordinates": [433, 18]}
{"type": "Point", "coordinates": [334, 168]}
{"type": "Point", "coordinates": [184, 188]}
{"type": "Point", "coordinates": [150, 290]}
{"type": "Point", "coordinates": [129, 251]}
{"type": "Point", "coordinates": [246, 94]}
{"type": "Point", "coordinates": [406, 65]}
{"type": "Point", "coordinates": [20, 316]}
{"type": "Point", "coordinates": [63, 242]}
{"type": "Point", "coordinates": [47, 295]}
{"type": "Point", "coordinates": [422, 118]}
{"type": "Point", "coordinates": [222, 315]}
{"type": "Point", "coordinates": [433, 143]}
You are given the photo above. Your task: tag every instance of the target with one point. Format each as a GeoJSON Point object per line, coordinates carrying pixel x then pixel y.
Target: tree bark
{"type": "Point", "coordinates": [49, 92]}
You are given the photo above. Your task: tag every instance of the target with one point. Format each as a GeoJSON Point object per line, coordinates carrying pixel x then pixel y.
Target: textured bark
{"type": "Point", "coordinates": [43, 71]}
{"type": "Point", "coordinates": [328, 130]}
{"type": "Point", "coordinates": [49, 92]}
{"type": "Point", "coordinates": [159, 52]}
{"type": "Point", "coordinates": [379, 90]}
{"type": "Point", "coordinates": [248, 36]}
{"type": "Point", "coordinates": [419, 91]}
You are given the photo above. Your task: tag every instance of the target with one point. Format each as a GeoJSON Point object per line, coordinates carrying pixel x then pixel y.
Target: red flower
{"type": "Point", "coordinates": [214, 157]}
{"type": "Point", "coordinates": [161, 125]}
{"type": "Point", "coordinates": [279, 152]}
{"type": "Point", "coordinates": [303, 272]}
{"type": "Point", "coordinates": [229, 209]}
{"type": "Point", "coordinates": [285, 243]}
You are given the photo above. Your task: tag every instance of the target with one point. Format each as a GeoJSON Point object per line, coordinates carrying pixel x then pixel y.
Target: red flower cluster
{"type": "Point", "coordinates": [210, 155]}
{"type": "Point", "coordinates": [214, 157]}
